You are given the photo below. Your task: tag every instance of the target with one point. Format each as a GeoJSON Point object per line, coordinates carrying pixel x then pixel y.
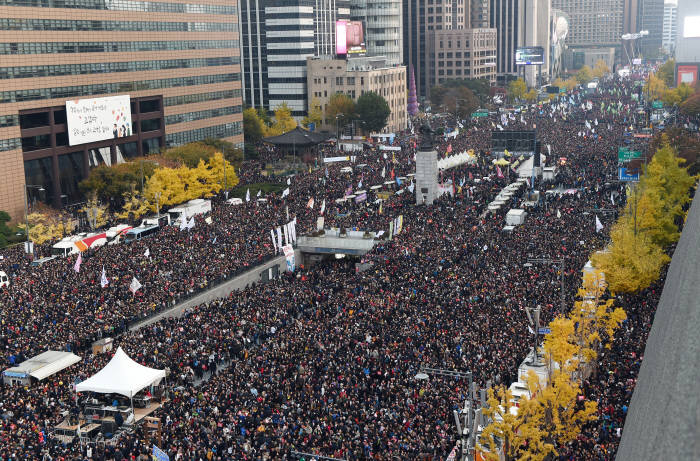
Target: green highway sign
{"type": "Point", "coordinates": [625, 154]}
{"type": "Point", "coordinates": [657, 105]}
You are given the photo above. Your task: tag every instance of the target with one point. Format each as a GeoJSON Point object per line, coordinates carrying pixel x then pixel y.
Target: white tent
{"type": "Point", "coordinates": [121, 376]}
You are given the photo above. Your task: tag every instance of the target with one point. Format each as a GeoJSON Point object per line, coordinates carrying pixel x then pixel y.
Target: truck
{"type": "Point", "coordinates": [79, 242]}
{"type": "Point", "coordinates": [188, 209]}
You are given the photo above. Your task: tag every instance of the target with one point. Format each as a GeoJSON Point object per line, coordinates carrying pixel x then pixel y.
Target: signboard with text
{"type": "Point", "coordinates": [97, 119]}
{"type": "Point", "coordinates": [623, 175]}
{"type": "Point", "coordinates": [625, 155]}
{"type": "Point", "coordinates": [350, 38]}
{"type": "Point", "coordinates": [529, 55]}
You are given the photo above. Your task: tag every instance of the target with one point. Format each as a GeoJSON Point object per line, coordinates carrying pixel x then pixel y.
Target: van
{"type": "Point", "coordinates": [4, 280]}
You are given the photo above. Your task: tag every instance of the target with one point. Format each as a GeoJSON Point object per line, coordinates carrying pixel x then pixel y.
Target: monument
{"type": "Point", "coordinates": [426, 168]}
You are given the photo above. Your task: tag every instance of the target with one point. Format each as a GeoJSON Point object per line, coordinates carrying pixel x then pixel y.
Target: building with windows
{"type": "Point", "coordinates": [461, 54]}
{"type": "Point", "coordinates": [670, 20]}
{"type": "Point", "coordinates": [479, 13]}
{"type": "Point", "coordinates": [420, 19]}
{"type": "Point", "coordinates": [178, 62]}
{"type": "Point", "coordinates": [276, 39]}
{"type": "Point", "coordinates": [521, 23]}
{"type": "Point", "coordinates": [383, 31]}
{"type": "Point", "coordinates": [354, 77]}
{"type": "Point", "coordinates": [598, 23]}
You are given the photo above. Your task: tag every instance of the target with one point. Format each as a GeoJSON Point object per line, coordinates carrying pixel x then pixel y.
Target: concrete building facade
{"type": "Point", "coordinates": [668, 41]}
{"type": "Point", "coordinates": [460, 54]}
{"type": "Point", "coordinates": [420, 19]}
{"type": "Point", "coordinates": [276, 39]}
{"type": "Point", "coordinates": [179, 63]}
{"type": "Point", "coordinates": [596, 23]}
{"type": "Point", "coordinates": [383, 27]}
{"type": "Point", "coordinates": [479, 14]}
{"type": "Point", "coordinates": [327, 76]}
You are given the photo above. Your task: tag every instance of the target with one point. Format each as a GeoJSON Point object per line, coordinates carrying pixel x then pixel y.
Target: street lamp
{"type": "Point", "coordinates": [26, 221]}
{"type": "Point", "coordinates": [468, 428]}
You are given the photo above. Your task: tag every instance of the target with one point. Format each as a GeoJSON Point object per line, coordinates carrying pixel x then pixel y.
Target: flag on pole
{"type": "Point", "coordinates": [558, 214]}
{"type": "Point", "coordinates": [285, 192]}
{"type": "Point", "coordinates": [612, 199]}
{"type": "Point", "coordinates": [190, 225]}
{"type": "Point", "coordinates": [78, 262]}
{"type": "Point", "coordinates": [310, 203]}
{"type": "Point", "coordinates": [247, 195]}
{"type": "Point", "coordinates": [323, 206]}
{"type": "Point", "coordinates": [598, 224]}
{"type": "Point", "coordinates": [499, 172]}
{"type": "Point", "coordinates": [289, 181]}
{"type": "Point", "coordinates": [259, 193]}
{"type": "Point", "coordinates": [279, 238]}
{"type": "Point", "coordinates": [103, 280]}
{"type": "Point", "coordinates": [183, 222]}
{"type": "Point", "coordinates": [147, 253]}
{"type": "Point", "coordinates": [286, 234]}
{"type": "Point", "coordinates": [135, 285]}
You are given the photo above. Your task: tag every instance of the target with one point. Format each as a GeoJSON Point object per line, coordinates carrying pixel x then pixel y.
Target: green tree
{"type": "Point", "coordinates": [229, 150]}
{"type": "Point", "coordinates": [264, 115]}
{"type": "Point", "coordinates": [340, 106]}
{"type": "Point", "coordinates": [584, 75]}
{"type": "Point", "coordinates": [437, 96]}
{"type": "Point", "coordinates": [315, 115]}
{"type": "Point", "coordinates": [517, 89]}
{"type": "Point", "coordinates": [190, 154]}
{"type": "Point", "coordinates": [655, 87]}
{"type": "Point", "coordinates": [600, 69]}
{"type": "Point", "coordinates": [461, 101]}
{"type": "Point", "coordinates": [666, 71]}
{"type": "Point", "coordinates": [5, 231]}
{"type": "Point", "coordinates": [686, 145]}
{"type": "Point", "coordinates": [283, 121]}
{"type": "Point", "coordinates": [253, 126]}
{"type": "Point", "coordinates": [691, 107]}
{"type": "Point", "coordinates": [373, 110]}
{"type": "Point", "coordinates": [112, 182]}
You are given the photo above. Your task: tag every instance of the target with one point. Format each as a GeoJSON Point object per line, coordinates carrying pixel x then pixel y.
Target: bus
{"type": "Point", "coordinates": [137, 233]}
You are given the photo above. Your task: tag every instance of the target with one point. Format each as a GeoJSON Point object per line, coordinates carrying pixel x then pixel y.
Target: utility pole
{"type": "Point", "coordinates": [467, 428]}
{"type": "Point", "coordinates": [560, 262]}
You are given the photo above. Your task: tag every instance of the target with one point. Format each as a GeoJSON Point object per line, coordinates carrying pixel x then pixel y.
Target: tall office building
{"type": "Point", "coordinates": [670, 20]}
{"type": "Point", "coordinates": [479, 13]}
{"type": "Point", "coordinates": [521, 23]}
{"type": "Point", "coordinates": [651, 18]}
{"type": "Point", "coordinates": [420, 19]}
{"type": "Point", "coordinates": [172, 71]}
{"type": "Point", "coordinates": [383, 31]}
{"type": "Point", "coordinates": [277, 37]}
{"type": "Point", "coordinates": [595, 23]}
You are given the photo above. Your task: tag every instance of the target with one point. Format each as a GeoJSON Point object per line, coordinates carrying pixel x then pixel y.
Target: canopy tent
{"type": "Point", "coordinates": [298, 137]}
{"type": "Point", "coordinates": [121, 376]}
{"type": "Point", "coordinates": [44, 364]}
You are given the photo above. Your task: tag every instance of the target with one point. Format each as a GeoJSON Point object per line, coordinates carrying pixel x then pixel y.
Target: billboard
{"type": "Point", "coordinates": [691, 27]}
{"type": "Point", "coordinates": [687, 74]}
{"type": "Point", "coordinates": [529, 55]}
{"type": "Point", "coordinates": [350, 38]}
{"type": "Point", "coordinates": [97, 119]}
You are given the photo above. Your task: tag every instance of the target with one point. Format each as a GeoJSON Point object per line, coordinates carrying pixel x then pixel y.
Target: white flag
{"type": "Point", "coordinates": [323, 206]}
{"type": "Point", "coordinates": [183, 222]}
{"type": "Point", "coordinates": [384, 172]}
{"type": "Point", "coordinates": [247, 195]}
{"type": "Point", "coordinates": [259, 192]}
{"type": "Point", "coordinates": [612, 199]}
{"type": "Point", "coordinates": [279, 238]}
{"type": "Point", "coordinates": [78, 262]}
{"type": "Point", "coordinates": [135, 285]}
{"type": "Point", "coordinates": [598, 224]}
{"type": "Point", "coordinates": [286, 234]}
{"type": "Point", "coordinates": [293, 230]}
{"type": "Point", "coordinates": [190, 225]}
{"type": "Point", "coordinates": [558, 214]}
{"type": "Point", "coordinates": [285, 192]}
{"type": "Point", "coordinates": [310, 203]}
{"type": "Point", "coordinates": [147, 253]}
{"type": "Point", "coordinates": [103, 281]}
{"type": "Point", "coordinates": [289, 181]}
{"type": "Point", "coordinates": [274, 242]}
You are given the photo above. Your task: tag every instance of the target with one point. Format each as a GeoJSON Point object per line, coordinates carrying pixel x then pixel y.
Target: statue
{"type": "Point", "coordinates": [426, 137]}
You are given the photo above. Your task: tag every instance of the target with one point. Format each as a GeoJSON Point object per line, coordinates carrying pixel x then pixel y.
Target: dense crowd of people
{"type": "Point", "coordinates": [324, 360]}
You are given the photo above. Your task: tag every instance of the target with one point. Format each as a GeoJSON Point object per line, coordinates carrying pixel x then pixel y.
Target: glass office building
{"type": "Point", "coordinates": [178, 62]}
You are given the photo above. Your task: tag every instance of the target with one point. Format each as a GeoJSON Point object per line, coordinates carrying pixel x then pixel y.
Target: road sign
{"type": "Point", "coordinates": [625, 154]}
{"type": "Point", "coordinates": [657, 105]}
{"type": "Point", "coordinates": [624, 176]}
{"type": "Point", "coordinates": [159, 454]}
{"type": "Point", "coordinates": [544, 331]}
